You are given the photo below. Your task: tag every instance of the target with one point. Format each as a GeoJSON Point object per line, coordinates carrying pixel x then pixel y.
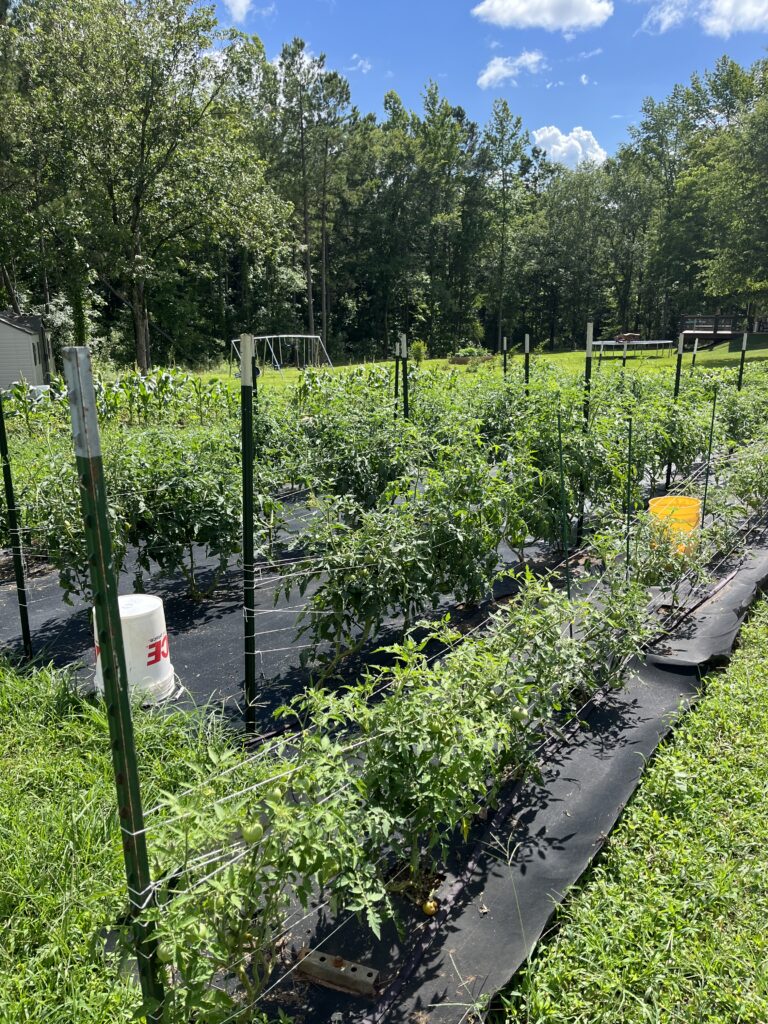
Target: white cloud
{"type": "Point", "coordinates": [666, 15]}
{"type": "Point", "coordinates": [716, 17]}
{"type": "Point", "coordinates": [554, 85]}
{"type": "Point", "coordinates": [572, 148]}
{"type": "Point", "coordinates": [495, 44]}
{"type": "Point", "coordinates": [584, 79]}
{"type": "Point", "coordinates": [360, 64]}
{"type": "Point", "coordinates": [238, 9]}
{"type": "Point", "coordinates": [588, 54]}
{"type": "Point", "coordinates": [503, 69]}
{"type": "Point", "coordinates": [566, 16]}
{"type": "Point", "coordinates": [616, 117]}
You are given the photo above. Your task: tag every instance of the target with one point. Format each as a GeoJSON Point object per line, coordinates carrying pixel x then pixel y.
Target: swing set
{"type": "Point", "coordinates": [280, 351]}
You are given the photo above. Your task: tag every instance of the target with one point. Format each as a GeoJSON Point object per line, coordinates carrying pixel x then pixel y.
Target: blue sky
{"type": "Point", "coordinates": [575, 70]}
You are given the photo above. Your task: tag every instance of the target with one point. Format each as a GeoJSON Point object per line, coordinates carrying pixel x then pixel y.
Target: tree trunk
{"type": "Point", "coordinates": [386, 322]}
{"type": "Point", "coordinates": [140, 326]}
{"type": "Point", "coordinates": [324, 249]}
{"type": "Point", "coordinates": [12, 297]}
{"type": "Point", "coordinates": [305, 205]}
{"type": "Point", "coordinates": [78, 316]}
{"type": "Point", "coordinates": [502, 260]}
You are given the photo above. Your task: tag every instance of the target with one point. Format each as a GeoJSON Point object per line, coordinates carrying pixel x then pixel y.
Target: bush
{"type": "Point", "coordinates": [419, 352]}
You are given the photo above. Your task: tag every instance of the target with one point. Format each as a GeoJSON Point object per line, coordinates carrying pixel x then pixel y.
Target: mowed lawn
{"type": "Point", "coordinates": [672, 924]}
{"type": "Point", "coordinates": [723, 355]}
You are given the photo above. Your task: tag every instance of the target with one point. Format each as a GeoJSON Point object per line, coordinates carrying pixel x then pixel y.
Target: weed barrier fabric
{"type": "Point", "coordinates": [502, 888]}
{"type": "Point", "coordinates": [518, 867]}
{"type": "Point", "coordinates": [538, 844]}
{"type": "Point", "coordinates": [707, 637]}
{"type": "Point", "coordinates": [206, 637]}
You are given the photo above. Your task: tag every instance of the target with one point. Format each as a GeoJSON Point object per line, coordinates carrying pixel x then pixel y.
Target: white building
{"type": "Point", "coordinates": [25, 351]}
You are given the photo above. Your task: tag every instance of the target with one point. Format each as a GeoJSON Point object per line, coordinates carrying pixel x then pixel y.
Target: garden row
{"type": "Point", "coordinates": [385, 776]}
{"type": "Point", "coordinates": [671, 922]}
{"type": "Point", "coordinates": [364, 802]}
{"type": "Point", "coordinates": [402, 512]}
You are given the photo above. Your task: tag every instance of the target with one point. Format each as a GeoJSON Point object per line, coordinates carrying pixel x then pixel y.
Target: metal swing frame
{"type": "Point", "coordinates": [302, 350]}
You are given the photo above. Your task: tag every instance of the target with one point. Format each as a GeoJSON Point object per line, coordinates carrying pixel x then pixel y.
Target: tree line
{"type": "Point", "coordinates": [164, 186]}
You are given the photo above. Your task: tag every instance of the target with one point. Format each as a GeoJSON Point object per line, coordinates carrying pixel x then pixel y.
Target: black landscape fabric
{"type": "Point", "coordinates": [495, 906]}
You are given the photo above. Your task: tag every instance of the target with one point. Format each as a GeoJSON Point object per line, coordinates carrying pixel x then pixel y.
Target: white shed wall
{"type": "Point", "coordinates": [16, 357]}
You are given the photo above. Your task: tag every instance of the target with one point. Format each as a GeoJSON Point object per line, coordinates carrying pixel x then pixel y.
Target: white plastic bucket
{"type": "Point", "coordinates": [145, 638]}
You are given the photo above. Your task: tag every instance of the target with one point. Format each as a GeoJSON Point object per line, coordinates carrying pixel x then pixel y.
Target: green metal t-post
{"type": "Point", "coordinates": [15, 535]}
{"type": "Point", "coordinates": [397, 374]}
{"type": "Point", "coordinates": [109, 633]}
{"type": "Point", "coordinates": [588, 371]}
{"type": "Point", "coordinates": [629, 489]}
{"type": "Point", "coordinates": [249, 566]}
{"type": "Point", "coordinates": [565, 525]}
{"type": "Point", "coordinates": [527, 362]}
{"type": "Point", "coordinates": [504, 343]}
{"type": "Point", "coordinates": [695, 353]}
{"type": "Point", "coordinates": [742, 360]}
{"type": "Point", "coordinates": [404, 357]}
{"type": "Point", "coordinates": [678, 371]}
{"type": "Point", "coordinates": [709, 457]}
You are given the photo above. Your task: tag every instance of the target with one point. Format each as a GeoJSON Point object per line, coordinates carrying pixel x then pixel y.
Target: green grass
{"type": "Point", "coordinates": [671, 924]}
{"type": "Point", "coordinates": [62, 880]}
{"type": "Point", "coordinates": [723, 355]}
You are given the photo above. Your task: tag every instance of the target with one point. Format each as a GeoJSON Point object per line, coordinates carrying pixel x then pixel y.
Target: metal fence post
{"type": "Point", "coordinates": [397, 374]}
{"type": "Point", "coordinates": [15, 535]}
{"type": "Point", "coordinates": [678, 370]}
{"type": "Point", "coordinates": [404, 357]}
{"type": "Point", "coordinates": [101, 568]}
{"type": "Point", "coordinates": [588, 370]}
{"type": "Point", "coordinates": [504, 343]}
{"type": "Point", "coordinates": [527, 362]}
{"type": "Point", "coordinates": [709, 457]}
{"type": "Point", "coordinates": [629, 491]}
{"type": "Point", "coordinates": [249, 566]}
{"type": "Point", "coordinates": [564, 523]}
{"type": "Point", "coordinates": [742, 360]}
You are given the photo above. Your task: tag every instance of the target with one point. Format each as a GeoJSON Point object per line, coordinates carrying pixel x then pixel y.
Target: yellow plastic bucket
{"type": "Point", "coordinates": [682, 515]}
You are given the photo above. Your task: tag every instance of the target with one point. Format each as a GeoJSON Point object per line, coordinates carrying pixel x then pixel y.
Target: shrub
{"type": "Point", "coordinates": [419, 352]}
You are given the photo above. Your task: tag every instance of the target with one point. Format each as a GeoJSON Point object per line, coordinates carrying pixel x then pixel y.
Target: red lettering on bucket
{"type": "Point", "coordinates": [157, 650]}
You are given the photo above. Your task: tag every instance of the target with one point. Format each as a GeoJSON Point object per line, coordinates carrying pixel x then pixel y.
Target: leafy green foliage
{"type": "Point", "coordinates": [670, 924]}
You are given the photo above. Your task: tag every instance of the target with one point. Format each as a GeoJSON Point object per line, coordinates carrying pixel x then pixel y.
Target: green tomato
{"type": "Point", "coordinates": [166, 952]}
{"type": "Point", "coordinates": [253, 831]}
{"type": "Point", "coordinates": [330, 869]}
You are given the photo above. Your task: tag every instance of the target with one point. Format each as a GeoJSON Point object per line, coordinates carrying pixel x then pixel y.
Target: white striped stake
{"type": "Point", "coordinates": [504, 344]}
{"type": "Point", "coordinates": [527, 361]}
{"type": "Point", "coordinates": [624, 354]}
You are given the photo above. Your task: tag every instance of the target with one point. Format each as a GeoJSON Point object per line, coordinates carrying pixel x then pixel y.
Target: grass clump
{"type": "Point", "coordinates": [62, 881]}
{"type": "Point", "coordinates": [671, 924]}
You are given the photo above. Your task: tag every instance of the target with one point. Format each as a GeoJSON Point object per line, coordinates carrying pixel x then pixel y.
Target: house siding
{"type": "Point", "coordinates": [16, 357]}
